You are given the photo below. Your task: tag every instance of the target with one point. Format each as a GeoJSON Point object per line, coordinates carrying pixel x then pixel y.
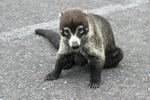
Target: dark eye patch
{"type": "Point", "coordinates": [80, 30]}
{"type": "Point", "coordinates": [81, 34]}
{"type": "Point", "coordinates": [66, 32]}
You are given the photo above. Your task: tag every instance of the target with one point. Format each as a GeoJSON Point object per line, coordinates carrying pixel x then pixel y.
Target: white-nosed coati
{"type": "Point", "coordinates": [85, 39]}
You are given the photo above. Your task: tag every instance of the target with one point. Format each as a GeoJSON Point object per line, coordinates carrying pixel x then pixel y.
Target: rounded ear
{"type": "Point", "coordinates": [85, 12]}
{"type": "Point", "coordinates": [60, 14]}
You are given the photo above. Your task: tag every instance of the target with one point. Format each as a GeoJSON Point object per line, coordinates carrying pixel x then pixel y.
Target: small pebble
{"type": "Point", "coordinates": [87, 82]}
{"type": "Point", "coordinates": [65, 82]}
{"type": "Point", "coordinates": [137, 94]}
{"type": "Point", "coordinates": [1, 77]}
{"type": "Point", "coordinates": [41, 60]}
{"type": "Point", "coordinates": [40, 65]}
{"type": "Point", "coordinates": [108, 77]}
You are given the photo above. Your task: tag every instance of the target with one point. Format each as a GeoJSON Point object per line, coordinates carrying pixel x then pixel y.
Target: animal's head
{"type": "Point", "coordinates": [74, 26]}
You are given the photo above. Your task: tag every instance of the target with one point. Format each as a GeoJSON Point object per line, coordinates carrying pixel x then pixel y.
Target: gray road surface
{"type": "Point", "coordinates": [26, 58]}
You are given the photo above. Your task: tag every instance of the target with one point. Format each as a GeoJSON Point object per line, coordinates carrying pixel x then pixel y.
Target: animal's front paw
{"type": "Point", "coordinates": [50, 76]}
{"type": "Point", "coordinates": [94, 85]}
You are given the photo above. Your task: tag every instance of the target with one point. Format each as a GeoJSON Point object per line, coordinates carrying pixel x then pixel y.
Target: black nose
{"type": "Point", "coordinates": [75, 45]}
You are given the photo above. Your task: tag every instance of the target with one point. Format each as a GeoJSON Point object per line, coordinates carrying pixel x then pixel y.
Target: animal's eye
{"type": "Point", "coordinates": [66, 32]}
{"type": "Point", "coordinates": [80, 30]}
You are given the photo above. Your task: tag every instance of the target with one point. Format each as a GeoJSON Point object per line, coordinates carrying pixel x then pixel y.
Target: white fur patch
{"type": "Point", "coordinates": [85, 12]}
{"type": "Point", "coordinates": [66, 28]}
{"type": "Point", "coordinates": [80, 26]}
{"type": "Point", "coordinates": [60, 15]}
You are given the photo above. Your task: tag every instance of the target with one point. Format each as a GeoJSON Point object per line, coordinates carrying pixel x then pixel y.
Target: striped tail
{"type": "Point", "coordinates": [52, 36]}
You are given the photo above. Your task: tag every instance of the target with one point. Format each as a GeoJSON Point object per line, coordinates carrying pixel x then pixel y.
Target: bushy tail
{"type": "Point", "coordinates": [113, 58]}
{"type": "Point", "coordinates": [52, 36]}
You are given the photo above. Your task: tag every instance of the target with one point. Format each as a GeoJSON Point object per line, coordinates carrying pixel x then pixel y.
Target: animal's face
{"type": "Point", "coordinates": [73, 26]}
{"type": "Point", "coordinates": [74, 36]}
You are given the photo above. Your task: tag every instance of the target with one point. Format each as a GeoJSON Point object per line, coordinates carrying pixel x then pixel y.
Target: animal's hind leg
{"type": "Point", "coordinates": [112, 58]}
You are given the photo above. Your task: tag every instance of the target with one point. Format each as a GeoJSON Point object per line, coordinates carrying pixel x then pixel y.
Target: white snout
{"type": "Point", "coordinates": [74, 39]}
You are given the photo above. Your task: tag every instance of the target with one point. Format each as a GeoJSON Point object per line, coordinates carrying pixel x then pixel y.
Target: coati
{"type": "Point", "coordinates": [86, 40]}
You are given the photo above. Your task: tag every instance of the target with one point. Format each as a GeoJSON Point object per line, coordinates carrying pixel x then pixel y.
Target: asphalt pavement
{"type": "Point", "coordinates": [26, 58]}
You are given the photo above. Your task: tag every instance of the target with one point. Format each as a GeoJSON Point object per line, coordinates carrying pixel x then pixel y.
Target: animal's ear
{"type": "Point", "coordinates": [60, 14]}
{"type": "Point", "coordinates": [85, 12]}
